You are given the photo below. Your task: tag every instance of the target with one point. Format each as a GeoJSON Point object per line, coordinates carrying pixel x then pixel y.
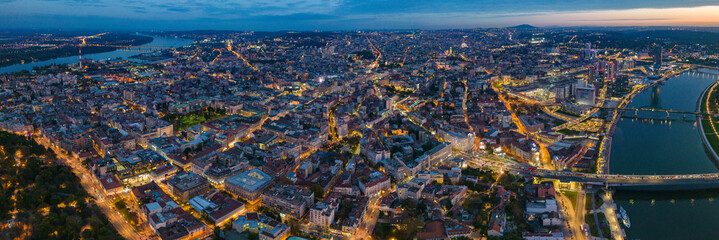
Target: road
{"type": "Point", "coordinates": [578, 219]}
{"type": "Point", "coordinates": [370, 220]}
{"type": "Point", "coordinates": [573, 225]}
{"type": "Point", "coordinates": [86, 180]}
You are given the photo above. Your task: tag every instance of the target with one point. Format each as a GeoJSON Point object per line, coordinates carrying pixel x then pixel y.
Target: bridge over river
{"type": "Point", "coordinates": [653, 110]}
{"type": "Point", "coordinates": [693, 181]}
{"type": "Point", "coordinates": [647, 182]}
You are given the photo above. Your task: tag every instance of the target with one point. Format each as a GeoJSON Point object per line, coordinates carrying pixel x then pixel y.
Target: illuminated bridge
{"type": "Point", "coordinates": [640, 182]}
{"type": "Point", "coordinates": [655, 105]}
{"type": "Point", "coordinates": [128, 47]}
{"type": "Point", "coordinates": [709, 180]}
{"type": "Point", "coordinates": [654, 110]}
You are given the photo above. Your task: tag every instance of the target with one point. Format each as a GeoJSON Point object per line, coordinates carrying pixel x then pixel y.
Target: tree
{"type": "Point", "coordinates": [506, 179]}
{"type": "Point", "coordinates": [269, 213]}
{"type": "Point", "coordinates": [344, 209]}
{"type": "Point", "coordinates": [410, 229]}
{"type": "Point", "coordinates": [120, 205]}
{"type": "Point", "coordinates": [318, 190]}
{"type": "Point", "coordinates": [408, 204]}
{"type": "Point", "coordinates": [45, 185]}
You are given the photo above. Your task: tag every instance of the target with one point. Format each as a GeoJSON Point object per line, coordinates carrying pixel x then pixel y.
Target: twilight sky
{"type": "Point", "coordinates": [274, 15]}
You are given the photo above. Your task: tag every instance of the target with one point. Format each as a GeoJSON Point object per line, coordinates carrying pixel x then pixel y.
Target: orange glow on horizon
{"type": "Point", "coordinates": [694, 16]}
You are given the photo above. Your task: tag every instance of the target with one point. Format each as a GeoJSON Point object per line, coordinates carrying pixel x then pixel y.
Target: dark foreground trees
{"type": "Point", "coordinates": [47, 200]}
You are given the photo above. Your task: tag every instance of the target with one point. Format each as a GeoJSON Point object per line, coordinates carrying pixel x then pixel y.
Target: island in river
{"type": "Point", "coordinates": [18, 48]}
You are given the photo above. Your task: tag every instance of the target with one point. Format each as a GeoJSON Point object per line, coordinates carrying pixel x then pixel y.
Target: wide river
{"type": "Point", "coordinates": [156, 42]}
{"type": "Point", "coordinates": [660, 147]}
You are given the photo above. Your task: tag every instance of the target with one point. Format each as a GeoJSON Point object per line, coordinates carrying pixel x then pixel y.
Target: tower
{"type": "Point", "coordinates": [80, 59]}
{"type": "Point", "coordinates": [657, 55]}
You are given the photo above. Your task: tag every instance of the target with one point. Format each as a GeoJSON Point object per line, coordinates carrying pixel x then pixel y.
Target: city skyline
{"type": "Point", "coordinates": [347, 15]}
{"type": "Point", "coordinates": [357, 120]}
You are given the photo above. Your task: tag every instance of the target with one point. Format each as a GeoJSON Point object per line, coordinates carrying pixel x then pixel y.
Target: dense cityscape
{"type": "Point", "coordinates": [485, 133]}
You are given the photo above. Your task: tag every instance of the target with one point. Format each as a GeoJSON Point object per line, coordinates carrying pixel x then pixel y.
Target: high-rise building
{"type": "Point", "coordinates": [620, 85]}
{"type": "Point", "coordinates": [584, 93]}
{"type": "Point", "coordinates": [589, 53]}
{"type": "Point", "coordinates": [592, 74]}
{"type": "Point", "coordinates": [657, 55]}
{"type": "Point", "coordinates": [564, 92]}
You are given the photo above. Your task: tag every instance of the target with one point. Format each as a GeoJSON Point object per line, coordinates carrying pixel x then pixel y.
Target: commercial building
{"type": "Point", "coordinates": [111, 185]}
{"type": "Point", "coordinates": [185, 185]}
{"type": "Point", "coordinates": [440, 152]}
{"type": "Point", "coordinates": [459, 141]}
{"type": "Point", "coordinates": [585, 95]}
{"type": "Point", "coordinates": [620, 85]}
{"type": "Point", "coordinates": [249, 184]}
{"type": "Point", "coordinates": [541, 206]}
{"type": "Point", "coordinates": [564, 92]}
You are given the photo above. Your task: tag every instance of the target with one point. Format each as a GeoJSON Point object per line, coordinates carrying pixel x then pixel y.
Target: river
{"type": "Point", "coordinates": [660, 147]}
{"type": "Point", "coordinates": [156, 42]}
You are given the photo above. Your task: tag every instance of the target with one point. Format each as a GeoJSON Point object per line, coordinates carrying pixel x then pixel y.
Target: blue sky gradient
{"type": "Point", "coordinates": [275, 15]}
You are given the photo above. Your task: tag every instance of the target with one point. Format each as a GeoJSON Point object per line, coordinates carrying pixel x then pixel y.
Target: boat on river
{"type": "Point", "coordinates": [622, 215]}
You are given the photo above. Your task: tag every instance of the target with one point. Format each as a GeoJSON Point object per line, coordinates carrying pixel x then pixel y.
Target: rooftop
{"type": "Point", "coordinates": [252, 180]}
{"type": "Point", "coordinates": [186, 180]}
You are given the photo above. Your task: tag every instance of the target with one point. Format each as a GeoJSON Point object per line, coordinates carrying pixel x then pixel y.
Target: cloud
{"type": "Point", "coordinates": [334, 14]}
{"type": "Point", "coordinates": [177, 9]}
{"type": "Point", "coordinates": [624, 19]}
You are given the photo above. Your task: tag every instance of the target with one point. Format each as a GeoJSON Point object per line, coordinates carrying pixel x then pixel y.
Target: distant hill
{"type": "Point", "coordinates": [524, 26]}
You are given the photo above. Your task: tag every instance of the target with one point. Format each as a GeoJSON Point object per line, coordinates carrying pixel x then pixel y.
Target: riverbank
{"type": "Point", "coordinates": [604, 158]}
{"type": "Point", "coordinates": [710, 139]}
{"type": "Point", "coordinates": [101, 45]}
{"type": "Point", "coordinates": [666, 148]}
{"type": "Point", "coordinates": [117, 53]}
